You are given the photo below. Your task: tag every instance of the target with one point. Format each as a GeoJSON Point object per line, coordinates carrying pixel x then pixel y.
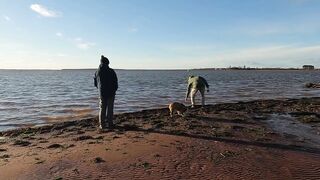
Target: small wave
{"type": "Point", "coordinates": [74, 105]}
{"type": "Point", "coordinates": [77, 111]}
{"type": "Point", "coordinates": [65, 118]}
{"type": "Point", "coordinates": [45, 106]}
{"type": "Point", "coordinates": [8, 103]}
{"type": "Point", "coordinates": [9, 109]}
{"type": "Point", "coordinates": [11, 124]}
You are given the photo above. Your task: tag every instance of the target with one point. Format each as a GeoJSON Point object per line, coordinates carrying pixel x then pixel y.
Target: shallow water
{"type": "Point", "coordinates": [287, 124]}
{"type": "Point", "coordinates": [36, 97]}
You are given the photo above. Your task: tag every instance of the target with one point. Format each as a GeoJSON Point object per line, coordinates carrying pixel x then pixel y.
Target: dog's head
{"type": "Point", "coordinates": [309, 85]}
{"type": "Point", "coordinates": [183, 108]}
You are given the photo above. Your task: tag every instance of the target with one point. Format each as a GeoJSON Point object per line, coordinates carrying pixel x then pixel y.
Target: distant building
{"type": "Point", "coordinates": [308, 67]}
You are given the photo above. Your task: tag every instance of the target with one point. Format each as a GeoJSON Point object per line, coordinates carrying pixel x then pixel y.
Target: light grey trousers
{"type": "Point", "coordinates": [106, 111]}
{"type": "Point", "coordinates": [193, 95]}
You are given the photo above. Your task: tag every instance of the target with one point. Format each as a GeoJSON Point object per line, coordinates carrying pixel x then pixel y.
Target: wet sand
{"type": "Point", "coordinates": [224, 141]}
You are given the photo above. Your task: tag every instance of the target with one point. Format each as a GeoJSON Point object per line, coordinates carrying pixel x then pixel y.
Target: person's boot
{"type": "Point", "coordinates": [110, 125]}
{"type": "Point", "coordinates": [102, 127]}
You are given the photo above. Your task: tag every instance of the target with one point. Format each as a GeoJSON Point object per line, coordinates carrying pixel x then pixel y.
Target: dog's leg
{"type": "Point", "coordinates": [171, 114]}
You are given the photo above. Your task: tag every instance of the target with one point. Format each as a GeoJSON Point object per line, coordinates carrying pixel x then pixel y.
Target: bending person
{"type": "Point", "coordinates": [195, 84]}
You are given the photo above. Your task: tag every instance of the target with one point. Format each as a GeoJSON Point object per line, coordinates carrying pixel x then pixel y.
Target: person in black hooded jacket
{"type": "Point", "coordinates": [106, 81]}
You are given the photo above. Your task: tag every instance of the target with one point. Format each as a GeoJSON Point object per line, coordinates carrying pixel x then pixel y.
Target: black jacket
{"type": "Point", "coordinates": [106, 81]}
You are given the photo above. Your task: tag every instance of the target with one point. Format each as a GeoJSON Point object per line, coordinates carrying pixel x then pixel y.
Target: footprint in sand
{"type": "Point", "coordinates": [21, 143]}
{"type": "Point", "coordinates": [55, 146]}
{"type": "Point", "coordinates": [99, 160]}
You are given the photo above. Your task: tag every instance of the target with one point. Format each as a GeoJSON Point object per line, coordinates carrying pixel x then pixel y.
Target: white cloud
{"type": "Point", "coordinates": [78, 39]}
{"type": "Point", "coordinates": [62, 55]}
{"type": "Point", "coordinates": [187, 48]}
{"type": "Point", "coordinates": [81, 44]}
{"type": "Point", "coordinates": [59, 34]}
{"type": "Point", "coordinates": [85, 45]}
{"type": "Point", "coordinates": [7, 18]}
{"type": "Point", "coordinates": [43, 11]}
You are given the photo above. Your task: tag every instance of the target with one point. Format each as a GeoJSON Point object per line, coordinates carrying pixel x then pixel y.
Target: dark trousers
{"type": "Point", "coordinates": [106, 111]}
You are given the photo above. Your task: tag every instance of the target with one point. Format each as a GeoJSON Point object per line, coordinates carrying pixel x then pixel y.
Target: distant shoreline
{"type": "Point", "coordinates": [197, 69]}
{"type": "Point", "coordinates": [257, 69]}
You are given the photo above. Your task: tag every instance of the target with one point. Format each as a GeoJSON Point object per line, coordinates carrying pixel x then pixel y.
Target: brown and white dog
{"type": "Point", "coordinates": [177, 107]}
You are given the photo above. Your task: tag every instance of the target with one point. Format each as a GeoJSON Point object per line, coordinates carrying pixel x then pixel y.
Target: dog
{"type": "Point", "coordinates": [312, 85]}
{"type": "Point", "coordinates": [177, 107]}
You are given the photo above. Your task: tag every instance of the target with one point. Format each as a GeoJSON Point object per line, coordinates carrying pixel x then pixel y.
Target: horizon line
{"type": "Point", "coordinates": [216, 68]}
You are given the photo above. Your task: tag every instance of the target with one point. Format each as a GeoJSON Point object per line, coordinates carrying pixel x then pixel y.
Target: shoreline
{"type": "Point", "coordinates": [215, 141]}
{"type": "Point", "coordinates": [56, 121]}
{"type": "Point", "coordinates": [192, 69]}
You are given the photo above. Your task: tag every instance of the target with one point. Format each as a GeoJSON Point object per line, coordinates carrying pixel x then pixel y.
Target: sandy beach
{"type": "Point", "coordinates": [244, 140]}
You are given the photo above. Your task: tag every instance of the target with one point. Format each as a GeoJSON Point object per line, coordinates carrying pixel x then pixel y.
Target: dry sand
{"type": "Point", "coordinates": [225, 141]}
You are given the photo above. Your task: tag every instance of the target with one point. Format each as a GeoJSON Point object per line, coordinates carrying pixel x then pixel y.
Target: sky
{"type": "Point", "coordinates": [159, 34]}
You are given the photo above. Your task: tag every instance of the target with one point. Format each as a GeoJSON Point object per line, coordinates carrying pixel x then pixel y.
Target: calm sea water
{"type": "Point", "coordinates": [40, 97]}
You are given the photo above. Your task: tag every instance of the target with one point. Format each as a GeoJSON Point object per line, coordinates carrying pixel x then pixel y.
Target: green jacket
{"type": "Point", "coordinates": [196, 82]}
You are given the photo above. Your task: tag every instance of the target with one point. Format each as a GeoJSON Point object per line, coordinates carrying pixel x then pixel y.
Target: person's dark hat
{"type": "Point", "coordinates": [104, 60]}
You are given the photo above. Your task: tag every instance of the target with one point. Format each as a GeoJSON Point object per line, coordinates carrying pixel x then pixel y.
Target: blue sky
{"type": "Point", "coordinates": [159, 34]}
